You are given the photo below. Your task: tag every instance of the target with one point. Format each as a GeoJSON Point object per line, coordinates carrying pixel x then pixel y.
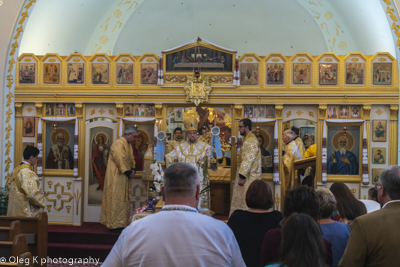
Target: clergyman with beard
{"type": "Point", "coordinates": [343, 161]}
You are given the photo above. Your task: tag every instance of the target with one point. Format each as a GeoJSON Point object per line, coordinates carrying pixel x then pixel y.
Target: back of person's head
{"type": "Point", "coordinates": [180, 180]}
{"type": "Point", "coordinates": [390, 180]}
{"type": "Point", "coordinates": [327, 202]}
{"type": "Point", "coordinates": [247, 122]}
{"type": "Point", "coordinates": [295, 130]}
{"type": "Point", "coordinates": [301, 200]}
{"type": "Point", "coordinates": [347, 204]}
{"type": "Point", "coordinates": [30, 151]}
{"type": "Point", "coordinates": [259, 195]}
{"type": "Point", "coordinates": [302, 243]}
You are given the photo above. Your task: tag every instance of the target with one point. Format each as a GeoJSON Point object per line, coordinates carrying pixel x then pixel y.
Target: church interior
{"type": "Point", "coordinates": [75, 74]}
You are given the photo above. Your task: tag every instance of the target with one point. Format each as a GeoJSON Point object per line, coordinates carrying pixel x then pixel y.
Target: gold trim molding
{"type": "Point", "coordinates": [367, 112]}
{"type": "Point", "coordinates": [394, 112]}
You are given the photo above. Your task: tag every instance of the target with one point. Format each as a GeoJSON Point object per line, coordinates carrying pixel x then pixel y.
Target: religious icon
{"type": "Point", "coordinates": [29, 127]}
{"type": "Point", "coordinates": [178, 115]}
{"type": "Point", "coordinates": [354, 73]}
{"type": "Point", "coordinates": [332, 112]}
{"type": "Point", "coordinates": [149, 73]}
{"type": "Point", "coordinates": [378, 155]}
{"type": "Point", "coordinates": [328, 73]}
{"type": "Point", "coordinates": [100, 73]}
{"type": "Point", "coordinates": [101, 139]}
{"type": "Point", "coordinates": [275, 73]}
{"type": "Point", "coordinates": [265, 137]}
{"type": "Point", "coordinates": [382, 73]}
{"type": "Point", "coordinates": [140, 146]}
{"type": "Point", "coordinates": [75, 73]}
{"type": "Point", "coordinates": [343, 150]}
{"type": "Point", "coordinates": [307, 134]}
{"type": "Point", "coordinates": [379, 131]}
{"type": "Point", "coordinates": [49, 109]}
{"type": "Point", "coordinates": [139, 110]}
{"type": "Point", "coordinates": [301, 73]}
{"type": "Point", "coordinates": [71, 110]}
{"type": "Point", "coordinates": [343, 112]}
{"type": "Point", "coordinates": [59, 146]}
{"type": "Point", "coordinates": [375, 175]}
{"type": "Point", "coordinates": [27, 73]}
{"type": "Point", "coordinates": [124, 73]}
{"type": "Point", "coordinates": [270, 111]}
{"type": "Point", "coordinates": [60, 110]}
{"type": "Point", "coordinates": [150, 110]}
{"type": "Point", "coordinates": [355, 112]}
{"type": "Point", "coordinates": [248, 111]}
{"type": "Point", "coordinates": [259, 111]}
{"type": "Point", "coordinates": [128, 110]}
{"type": "Point", "coordinates": [51, 73]}
{"type": "Point", "coordinates": [169, 136]}
{"type": "Point", "coordinates": [249, 74]}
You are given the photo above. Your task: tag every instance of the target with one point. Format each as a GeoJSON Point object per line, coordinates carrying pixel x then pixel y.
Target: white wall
{"type": "Point", "coordinates": [9, 12]}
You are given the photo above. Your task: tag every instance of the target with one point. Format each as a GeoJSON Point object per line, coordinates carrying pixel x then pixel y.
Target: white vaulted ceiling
{"type": "Point", "coordinates": [259, 26]}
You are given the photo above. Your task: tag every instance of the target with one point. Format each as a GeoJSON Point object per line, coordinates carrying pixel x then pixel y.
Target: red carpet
{"type": "Point", "coordinates": [89, 241]}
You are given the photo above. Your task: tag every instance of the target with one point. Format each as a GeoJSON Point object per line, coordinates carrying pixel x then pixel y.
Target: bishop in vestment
{"type": "Point", "coordinates": [25, 197]}
{"type": "Point", "coordinates": [194, 152]}
{"type": "Point", "coordinates": [115, 210]}
{"type": "Point", "coordinates": [291, 154]}
{"type": "Point", "coordinates": [249, 166]}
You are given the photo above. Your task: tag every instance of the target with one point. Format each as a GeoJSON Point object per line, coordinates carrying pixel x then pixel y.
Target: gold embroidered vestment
{"type": "Point", "coordinates": [25, 197]}
{"type": "Point", "coordinates": [291, 154]}
{"type": "Point", "coordinates": [196, 154]}
{"type": "Point", "coordinates": [115, 210]}
{"type": "Point", "coordinates": [249, 165]}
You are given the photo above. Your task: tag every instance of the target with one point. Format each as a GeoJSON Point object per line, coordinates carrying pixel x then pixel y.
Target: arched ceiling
{"type": "Point", "coordinates": [259, 26]}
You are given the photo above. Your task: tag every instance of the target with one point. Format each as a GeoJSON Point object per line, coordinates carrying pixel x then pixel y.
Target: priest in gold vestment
{"type": "Point", "coordinates": [299, 142]}
{"type": "Point", "coordinates": [178, 139]}
{"type": "Point", "coordinates": [291, 154]}
{"type": "Point", "coordinates": [115, 210]}
{"type": "Point", "coordinates": [25, 197]}
{"type": "Point", "coordinates": [249, 166]}
{"type": "Point", "coordinates": [194, 152]}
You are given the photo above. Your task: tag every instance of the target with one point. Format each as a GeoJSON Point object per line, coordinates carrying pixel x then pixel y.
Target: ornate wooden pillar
{"type": "Point", "coordinates": [393, 132]}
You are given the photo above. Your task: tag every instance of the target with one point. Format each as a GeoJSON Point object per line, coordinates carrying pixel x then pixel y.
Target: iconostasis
{"type": "Point", "coordinates": [74, 107]}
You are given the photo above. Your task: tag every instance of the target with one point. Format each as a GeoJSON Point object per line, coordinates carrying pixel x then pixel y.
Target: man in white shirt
{"type": "Point", "coordinates": [375, 237]}
{"type": "Point", "coordinates": [178, 235]}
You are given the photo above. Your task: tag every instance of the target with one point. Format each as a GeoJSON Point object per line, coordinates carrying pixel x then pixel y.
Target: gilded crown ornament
{"type": "Point", "coordinates": [197, 88]}
{"type": "Point", "coordinates": [190, 120]}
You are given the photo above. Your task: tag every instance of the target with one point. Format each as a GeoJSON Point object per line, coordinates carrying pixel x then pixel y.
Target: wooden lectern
{"type": "Point", "coordinates": [303, 164]}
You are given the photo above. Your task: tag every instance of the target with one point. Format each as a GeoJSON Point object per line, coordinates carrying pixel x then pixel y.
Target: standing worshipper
{"type": "Point", "coordinates": [115, 210]}
{"type": "Point", "coordinates": [299, 142]}
{"type": "Point", "coordinates": [249, 166]}
{"type": "Point", "coordinates": [25, 197]}
{"type": "Point", "coordinates": [194, 152]}
{"type": "Point", "coordinates": [291, 154]}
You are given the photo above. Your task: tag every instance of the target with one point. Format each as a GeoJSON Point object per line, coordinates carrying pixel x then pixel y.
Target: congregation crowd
{"type": "Point", "coordinates": [323, 227]}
